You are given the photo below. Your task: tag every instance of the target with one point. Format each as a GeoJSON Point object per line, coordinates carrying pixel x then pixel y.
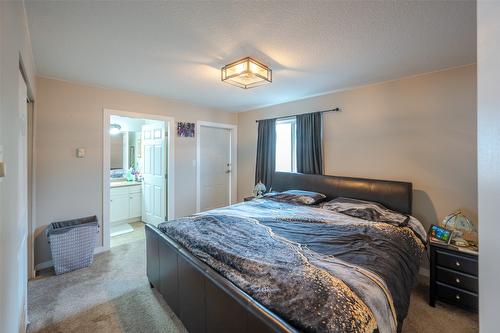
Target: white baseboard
{"type": "Point", "coordinates": [43, 265]}
{"type": "Point", "coordinates": [48, 264]}
{"type": "Point", "coordinates": [100, 249]}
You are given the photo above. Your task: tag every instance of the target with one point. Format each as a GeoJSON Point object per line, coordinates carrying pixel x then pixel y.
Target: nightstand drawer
{"type": "Point", "coordinates": [456, 279]}
{"type": "Point", "coordinates": [456, 296]}
{"type": "Point", "coordinates": [457, 263]}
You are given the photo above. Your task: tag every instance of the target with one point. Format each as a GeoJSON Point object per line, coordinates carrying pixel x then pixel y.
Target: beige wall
{"type": "Point", "coordinates": [15, 46]}
{"type": "Point", "coordinates": [70, 116]}
{"type": "Point", "coordinates": [488, 113]}
{"type": "Point", "coordinates": [420, 129]}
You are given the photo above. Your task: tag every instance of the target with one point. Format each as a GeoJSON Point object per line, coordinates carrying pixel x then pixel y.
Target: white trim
{"type": "Point", "coordinates": [43, 265]}
{"type": "Point", "coordinates": [169, 123]}
{"type": "Point", "coordinates": [31, 235]}
{"type": "Point", "coordinates": [233, 157]}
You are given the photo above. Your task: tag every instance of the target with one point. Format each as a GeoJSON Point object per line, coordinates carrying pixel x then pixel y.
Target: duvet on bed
{"type": "Point", "coordinates": [318, 269]}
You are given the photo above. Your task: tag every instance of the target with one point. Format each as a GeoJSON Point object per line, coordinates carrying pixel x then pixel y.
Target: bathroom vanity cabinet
{"type": "Point", "coordinates": [125, 203]}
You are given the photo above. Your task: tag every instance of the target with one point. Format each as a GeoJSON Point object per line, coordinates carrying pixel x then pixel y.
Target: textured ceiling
{"type": "Point", "coordinates": [176, 49]}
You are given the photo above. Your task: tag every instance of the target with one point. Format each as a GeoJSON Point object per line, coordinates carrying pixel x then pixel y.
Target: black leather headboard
{"type": "Point", "coordinates": [392, 194]}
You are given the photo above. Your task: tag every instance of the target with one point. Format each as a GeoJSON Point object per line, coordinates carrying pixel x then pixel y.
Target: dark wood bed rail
{"type": "Point", "coordinates": [202, 299]}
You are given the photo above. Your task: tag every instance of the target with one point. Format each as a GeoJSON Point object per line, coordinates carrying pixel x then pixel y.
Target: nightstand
{"type": "Point", "coordinates": [453, 276]}
{"type": "Point", "coordinates": [248, 198]}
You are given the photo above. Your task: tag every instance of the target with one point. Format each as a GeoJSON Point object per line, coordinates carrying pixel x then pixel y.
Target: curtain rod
{"type": "Point", "coordinates": [294, 115]}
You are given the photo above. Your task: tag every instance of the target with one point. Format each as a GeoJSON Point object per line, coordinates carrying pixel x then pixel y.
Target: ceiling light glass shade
{"type": "Point", "coordinates": [114, 129]}
{"type": "Point", "coordinates": [246, 73]}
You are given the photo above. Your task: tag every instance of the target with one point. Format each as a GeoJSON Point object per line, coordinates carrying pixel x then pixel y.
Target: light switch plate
{"type": "Point", "coordinates": [80, 152]}
{"type": "Point", "coordinates": [2, 164]}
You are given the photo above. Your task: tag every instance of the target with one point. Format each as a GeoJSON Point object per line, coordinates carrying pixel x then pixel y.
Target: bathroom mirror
{"type": "Point", "coordinates": [117, 158]}
{"type": "Point", "coordinates": [125, 150]}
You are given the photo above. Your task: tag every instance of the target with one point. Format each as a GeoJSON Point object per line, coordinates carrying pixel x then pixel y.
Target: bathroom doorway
{"type": "Point", "coordinates": [137, 175]}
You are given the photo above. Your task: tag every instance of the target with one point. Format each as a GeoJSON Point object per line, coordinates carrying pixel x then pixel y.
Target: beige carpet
{"type": "Point", "coordinates": [114, 296]}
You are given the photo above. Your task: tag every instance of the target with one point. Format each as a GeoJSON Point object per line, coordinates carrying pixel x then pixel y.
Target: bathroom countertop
{"type": "Point", "coordinates": [123, 183]}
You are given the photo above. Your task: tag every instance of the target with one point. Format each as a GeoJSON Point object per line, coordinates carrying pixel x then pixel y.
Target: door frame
{"type": "Point", "coordinates": [232, 155]}
{"type": "Point", "coordinates": [31, 160]}
{"type": "Point", "coordinates": [32, 188]}
{"type": "Point", "coordinates": [169, 124]}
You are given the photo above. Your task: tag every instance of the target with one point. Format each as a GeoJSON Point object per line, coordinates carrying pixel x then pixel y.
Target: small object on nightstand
{"type": "Point", "coordinates": [453, 275]}
{"type": "Point", "coordinates": [464, 232]}
{"type": "Point", "coordinates": [439, 234]}
{"type": "Point", "coordinates": [259, 189]}
{"type": "Point", "coordinates": [248, 198]}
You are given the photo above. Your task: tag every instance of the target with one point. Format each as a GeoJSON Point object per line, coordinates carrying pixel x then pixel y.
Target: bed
{"type": "Point", "coordinates": [273, 266]}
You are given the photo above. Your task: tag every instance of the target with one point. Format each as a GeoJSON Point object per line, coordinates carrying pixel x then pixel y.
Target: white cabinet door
{"type": "Point", "coordinates": [135, 205]}
{"type": "Point", "coordinates": [119, 207]}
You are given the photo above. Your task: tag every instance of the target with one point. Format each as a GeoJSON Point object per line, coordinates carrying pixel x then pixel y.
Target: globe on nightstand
{"type": "Point", "coordinates": [461, 226]}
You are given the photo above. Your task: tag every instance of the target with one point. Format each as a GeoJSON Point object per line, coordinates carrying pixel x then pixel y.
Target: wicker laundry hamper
{"type": "Point", "coordinates": [72, 243]}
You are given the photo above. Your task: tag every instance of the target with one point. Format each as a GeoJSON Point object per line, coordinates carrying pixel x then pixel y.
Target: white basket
{"type": "Point", "coordinates": [72, 244]}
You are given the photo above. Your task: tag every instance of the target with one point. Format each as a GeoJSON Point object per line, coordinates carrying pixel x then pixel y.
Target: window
{"type": "Point", "coordinates": [286, 156]}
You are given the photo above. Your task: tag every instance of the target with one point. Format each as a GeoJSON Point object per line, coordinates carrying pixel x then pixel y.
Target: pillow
{"type": "Point", "coordinates": [366, 210]}
{"type": "Point", "coordinates": [297, 196]}
{"type": "Point", "coordinates": [375, 212]}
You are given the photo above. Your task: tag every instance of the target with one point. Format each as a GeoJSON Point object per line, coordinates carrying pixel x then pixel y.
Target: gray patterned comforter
{"type": "Point", "coordinates": [320, 270]}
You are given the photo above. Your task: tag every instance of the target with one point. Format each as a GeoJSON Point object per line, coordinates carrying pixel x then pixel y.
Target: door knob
{"type": "Point", "coordinates": [228, 171]}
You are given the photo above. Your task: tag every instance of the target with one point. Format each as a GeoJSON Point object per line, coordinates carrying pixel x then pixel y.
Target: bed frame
{"type": "Point", "coordinates": [207, 302]}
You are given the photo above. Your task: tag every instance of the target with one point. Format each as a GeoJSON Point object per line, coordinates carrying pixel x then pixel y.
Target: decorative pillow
{"type": "Point", "coordinates": [297, 196]}
{"type": "Point", "coordinates": [375, 212]}
{"type": "Point", "coordinates": [366, 210]}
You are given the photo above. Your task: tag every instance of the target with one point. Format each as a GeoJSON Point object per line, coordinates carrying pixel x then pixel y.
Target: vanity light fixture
{"type": "Point", "coordinates": [114, 129]}
{"type": "Point", "coordinates": [246, 73]}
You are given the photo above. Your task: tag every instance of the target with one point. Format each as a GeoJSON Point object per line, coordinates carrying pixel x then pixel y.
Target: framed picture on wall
{"type": "Point", "coordinates": [185, 129]}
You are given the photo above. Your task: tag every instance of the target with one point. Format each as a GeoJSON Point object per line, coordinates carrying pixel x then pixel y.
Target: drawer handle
{"type": "Point", "coordinates": [457, 297]}
{"type": "Point", "coordinates": [457, 280]}
{"type": "Point", "coordinates": [457, 263]}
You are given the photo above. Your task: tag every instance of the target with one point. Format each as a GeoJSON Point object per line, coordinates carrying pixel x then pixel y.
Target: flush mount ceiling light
{"type": "Point", "coordinates": [246, 73]}
{"type": "Point", "coordinates": [114, 129]}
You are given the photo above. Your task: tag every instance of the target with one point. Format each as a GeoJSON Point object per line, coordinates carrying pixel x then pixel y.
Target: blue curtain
{"type": "Point", "coordinates": [309, 143]}
{"type": "Point", "coordinates": [266, 152]}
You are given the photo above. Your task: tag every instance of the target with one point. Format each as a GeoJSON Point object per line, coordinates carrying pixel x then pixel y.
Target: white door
{"type": "Point", "coordinates": [215, 167]}
{"type": "Point", "coordinates": [154, 187]}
